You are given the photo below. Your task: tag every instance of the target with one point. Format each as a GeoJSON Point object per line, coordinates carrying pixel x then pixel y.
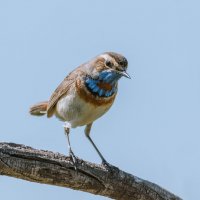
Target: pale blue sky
{"type": "Point", "coordinates": [153, 129]}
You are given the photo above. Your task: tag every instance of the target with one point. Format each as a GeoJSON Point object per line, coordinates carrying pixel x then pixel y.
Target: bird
{"type": "Point", "coordinates": [85, 95]}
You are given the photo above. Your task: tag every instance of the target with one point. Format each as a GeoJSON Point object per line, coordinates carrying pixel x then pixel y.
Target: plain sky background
{"type": "Point", "coordinates": [153, 129]}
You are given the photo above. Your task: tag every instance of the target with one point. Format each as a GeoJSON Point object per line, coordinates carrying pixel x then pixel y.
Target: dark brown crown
{"type": "Point", "coordinates": [121, 60]}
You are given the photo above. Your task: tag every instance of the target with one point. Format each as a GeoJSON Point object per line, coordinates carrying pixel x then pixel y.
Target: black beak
{"type": "Point", "coordinates": [124, 73]}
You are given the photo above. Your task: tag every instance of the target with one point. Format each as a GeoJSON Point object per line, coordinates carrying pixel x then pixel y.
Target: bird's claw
{"type": "Point", "coordinates": [73, 158]}
{"type": "Point", "coordinates": [110, 168]}
{"type": "Point", "coordinates": [106, 165]}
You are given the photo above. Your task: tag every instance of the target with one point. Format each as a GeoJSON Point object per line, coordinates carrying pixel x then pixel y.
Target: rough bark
{"type": "Point", "coordinates": [46, 167]}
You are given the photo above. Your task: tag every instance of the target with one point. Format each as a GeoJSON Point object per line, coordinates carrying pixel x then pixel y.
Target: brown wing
{"type": "Point", "coordinates": [61, 90]}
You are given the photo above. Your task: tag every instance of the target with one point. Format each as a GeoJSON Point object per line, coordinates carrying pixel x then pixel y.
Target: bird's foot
{"type": "Point", "coordinates": [73, 158]}
{"type": "Point", "coordinates": [110, 168]}
{"type": "Point", "coordinates": [106, 165]}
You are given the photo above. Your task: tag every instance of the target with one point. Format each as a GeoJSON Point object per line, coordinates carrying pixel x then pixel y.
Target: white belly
{"type": "Point", "coordinates": [74, 110]}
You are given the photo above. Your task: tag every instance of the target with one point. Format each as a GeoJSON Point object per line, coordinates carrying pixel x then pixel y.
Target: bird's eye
{"type": "Point", "coordinates": [108, 63]}
{"type": "Point", "coordinates": [121, 63]}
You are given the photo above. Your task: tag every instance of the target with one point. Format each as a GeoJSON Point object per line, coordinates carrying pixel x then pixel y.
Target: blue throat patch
{"type": "Point", "coordinates": [109, 77]}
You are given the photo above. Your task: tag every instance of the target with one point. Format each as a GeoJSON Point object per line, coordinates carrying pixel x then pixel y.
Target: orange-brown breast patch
{"type": "Point", "coordinates": [104, 86]}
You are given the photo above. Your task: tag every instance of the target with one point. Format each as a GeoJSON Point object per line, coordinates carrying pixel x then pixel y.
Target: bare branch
{"type": "Point", "coordinates": [46, 167]}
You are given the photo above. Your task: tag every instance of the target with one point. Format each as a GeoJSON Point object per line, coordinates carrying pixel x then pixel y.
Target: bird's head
{"type": "Point", "coordinates": [103, 73]}
{"type": "Point", "coordinates": [109, 67]}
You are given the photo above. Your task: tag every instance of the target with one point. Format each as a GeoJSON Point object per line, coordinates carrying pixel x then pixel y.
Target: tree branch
{"type": "Point", "coordinates": [46, 167]}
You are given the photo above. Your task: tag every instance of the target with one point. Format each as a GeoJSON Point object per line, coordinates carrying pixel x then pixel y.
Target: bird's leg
{"type": "Point", "coordinates": [71, 154]}
{"type": "Point", "coordinates": [87, 133]}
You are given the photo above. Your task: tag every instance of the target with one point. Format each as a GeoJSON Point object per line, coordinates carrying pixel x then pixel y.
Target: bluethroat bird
{"type": "Point", "coordinates": [85, 95]}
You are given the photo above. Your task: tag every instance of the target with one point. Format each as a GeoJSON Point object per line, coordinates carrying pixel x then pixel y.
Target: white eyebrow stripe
{"type": "Point", "coordinates": [106, 56]}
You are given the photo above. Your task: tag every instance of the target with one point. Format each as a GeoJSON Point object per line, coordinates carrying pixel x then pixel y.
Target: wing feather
{"type": "Point", "coordinates": [61, 90]}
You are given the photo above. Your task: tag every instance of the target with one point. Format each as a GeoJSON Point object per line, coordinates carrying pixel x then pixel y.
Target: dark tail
{"type": "Point", "coordinates": [39, 109]}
